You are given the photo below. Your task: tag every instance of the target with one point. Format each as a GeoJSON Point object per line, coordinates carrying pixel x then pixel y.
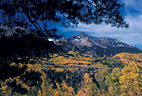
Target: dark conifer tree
{"type": "Point", "coordinates": [34, 15]}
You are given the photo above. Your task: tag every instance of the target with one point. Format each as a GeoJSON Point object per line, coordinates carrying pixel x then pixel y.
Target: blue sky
{"type": "Point", "coordinates": [132, 12]}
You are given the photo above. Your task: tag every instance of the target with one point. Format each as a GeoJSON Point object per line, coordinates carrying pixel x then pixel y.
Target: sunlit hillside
{"type": "Point", "coordinates": [129, 57]}
{"type": "Point", "coordinates": [76, 74]}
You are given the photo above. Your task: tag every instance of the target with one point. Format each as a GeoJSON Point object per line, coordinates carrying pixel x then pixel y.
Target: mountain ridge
{"type": "Point", "coordinates": [95, 46]}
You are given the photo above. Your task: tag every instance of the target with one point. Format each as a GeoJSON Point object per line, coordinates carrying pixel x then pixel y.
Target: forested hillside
{"type": "Point", "coordinates": [83, 65]}
{"type": "Point", "coordinates": [76, 74]}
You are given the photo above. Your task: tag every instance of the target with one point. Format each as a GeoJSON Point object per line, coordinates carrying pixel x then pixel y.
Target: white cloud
{"type": "Point", "coordinates": [132, 35]}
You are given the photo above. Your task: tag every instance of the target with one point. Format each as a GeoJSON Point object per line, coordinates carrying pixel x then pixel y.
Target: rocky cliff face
{"type": "Point", "coordinates": [95, 46]}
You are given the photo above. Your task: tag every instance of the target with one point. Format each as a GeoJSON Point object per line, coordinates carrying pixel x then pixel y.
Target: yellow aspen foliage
{"type": "Point", "coordinates": [39, 93]}
{"type": "Point", "coordinates": [67, 91]}
{"type": "Point", "coordinates": [55, 55]}
{"type": "Point", "coordinates": [112, 81]}
{"type": "Point", "coordinates": [4, 89]}
{"type": "Point", "coordinates": [130, 80]}
{"type": "Point", "coordinates": [86, 89]}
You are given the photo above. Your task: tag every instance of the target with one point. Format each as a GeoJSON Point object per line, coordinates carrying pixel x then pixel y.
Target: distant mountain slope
{"type": "Point", "coordinates": [95, 46]}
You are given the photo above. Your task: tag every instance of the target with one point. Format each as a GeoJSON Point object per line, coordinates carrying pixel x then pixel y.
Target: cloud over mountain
{"type": "Point", "coordinates": [132, 35]}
